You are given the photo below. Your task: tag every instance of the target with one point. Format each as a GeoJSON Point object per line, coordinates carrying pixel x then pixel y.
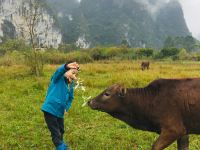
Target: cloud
{"type": "Point", "coordinates": [191, 10]}
{"type": "Point", "coordinates": [153, 6]}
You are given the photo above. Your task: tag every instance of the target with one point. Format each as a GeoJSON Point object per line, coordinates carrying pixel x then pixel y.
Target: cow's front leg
{"type": "Point", "coordinates": [183, 143]}
{"type": "Point", "coordinates": [165, 139]}
{"type": "Point", "coordinates": [168, 136]}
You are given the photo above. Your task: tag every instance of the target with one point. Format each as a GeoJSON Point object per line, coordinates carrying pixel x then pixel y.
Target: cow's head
{"type": "Point", "coordinates": [109, 100]}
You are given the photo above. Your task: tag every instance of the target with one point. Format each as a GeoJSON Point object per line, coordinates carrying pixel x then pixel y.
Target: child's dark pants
{"type": "Point", "coordinates": [56, 127]}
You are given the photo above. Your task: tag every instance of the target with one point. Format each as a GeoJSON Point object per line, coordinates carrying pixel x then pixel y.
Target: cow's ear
{"type": "Point", "coordinates": [122, 91]}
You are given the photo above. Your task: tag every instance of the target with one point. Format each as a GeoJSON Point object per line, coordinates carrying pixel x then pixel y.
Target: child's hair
{"type": "Point", "coordinates": [72, 62]}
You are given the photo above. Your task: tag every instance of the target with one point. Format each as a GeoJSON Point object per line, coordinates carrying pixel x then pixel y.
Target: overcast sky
{"type": "Point", "coordinates": [191, 9]}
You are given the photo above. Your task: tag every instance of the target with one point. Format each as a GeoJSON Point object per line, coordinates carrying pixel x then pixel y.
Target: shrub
{"type": "Point", "coordinates": [195, 56]}
{"type": "Point", "coordinates": [79, 56]}
{"type": "Point", "coordinates": [6, 60]}
{"type": "Point", "coordinates": [12, 58]}
{"type": "Point", "coordinates": [112, 52]}
{"type": "Point", "coordinates": [14, 45]}
{"type": "Point", "coordinates": [2, 51]}
{"type": "Point", "coordinates": [169, 52]}
{"type": "Point", "coordinates": [182, 55]}
{"type": "Point", "coordinates": [67, 47]}
{"type": "Point", "coordinates": [34, 60]}
{"type": "Point", "coordinates": [144, 52]}
{"type": "Point", "coordinates": [54, 57]}
{"type": "Point", "coordinates": [129, 54]}
{"type": "Point", "coordinates": [97, 53]}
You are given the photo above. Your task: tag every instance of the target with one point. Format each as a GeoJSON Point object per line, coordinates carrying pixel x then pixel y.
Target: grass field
{"type": "Point", "coordinates": [21, 95]}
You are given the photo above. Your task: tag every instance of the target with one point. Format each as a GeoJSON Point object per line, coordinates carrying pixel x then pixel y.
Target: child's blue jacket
{"type": "Point", "coordinates": [59, 96]}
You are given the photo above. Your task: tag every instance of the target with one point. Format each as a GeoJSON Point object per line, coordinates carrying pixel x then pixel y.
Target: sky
{"type": "Point", "coordinates": [191, 10]}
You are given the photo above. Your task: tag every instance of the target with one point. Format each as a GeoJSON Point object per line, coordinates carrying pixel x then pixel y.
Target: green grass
{"type": "Point", "coordinates": [22, 124]}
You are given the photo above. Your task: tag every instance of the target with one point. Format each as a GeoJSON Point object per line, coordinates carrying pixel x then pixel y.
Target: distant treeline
{"type": "Point", "coordinates": [16, 52]}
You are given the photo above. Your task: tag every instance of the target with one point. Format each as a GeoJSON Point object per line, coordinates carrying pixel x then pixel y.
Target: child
{"type": "Point", "coordinates": [58, 100]}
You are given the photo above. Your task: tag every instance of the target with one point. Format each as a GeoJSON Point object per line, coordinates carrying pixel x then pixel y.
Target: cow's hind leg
{"type": "Point", "coordinates": [183, 143]}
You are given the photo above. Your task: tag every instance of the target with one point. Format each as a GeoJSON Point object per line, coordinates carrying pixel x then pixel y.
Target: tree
{"type": "Point", "coordinates": [169, 42]}
{"type": "Point", "coordinates": [125, 43]}
{"type": "Point", "coordinates": [32, 17]}
{"type": "Point", "coordinates": [187, 42]}
{"type": "Point", "coordinates": [183, 54]}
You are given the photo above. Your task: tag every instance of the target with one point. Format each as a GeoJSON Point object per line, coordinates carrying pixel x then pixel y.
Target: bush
{"type": "Point", "coordinates": [169, 52]}
{"type": "Point", "coordinates": [11, 58]}
{"type": "Point", "coordinates": [35, 61]}
{"type": "Point", "coordinates": [97, 53]}
{"type": "Point", "coordinates": [14, 45]}
{"type": "Point", "coordinates": [6, 60]}
{"type": "Point", "coordinates": [112, 52]}
{"type": "Point", "coordinates": [67, 47]}
{"type": "Point", "coordinates": [182, 55]}
{"type": "Point", "coordinates": [128, 54]}
{"type": "Point", "coordinates": [2, 51]}
{"type": "Point", "coordinates": [79, 56]}
{"type": "Point", "coordinates": [54, 57]}
{"type": "Point", "coordinates": [144, 52]}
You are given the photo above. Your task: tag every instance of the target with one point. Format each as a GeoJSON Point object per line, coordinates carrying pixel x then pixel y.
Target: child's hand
{"type": "Point", "coordinates": [73, 65]}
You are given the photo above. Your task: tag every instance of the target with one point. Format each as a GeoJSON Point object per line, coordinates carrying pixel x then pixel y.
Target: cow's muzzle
{"type": "Point", "coordinates": [92, 104]}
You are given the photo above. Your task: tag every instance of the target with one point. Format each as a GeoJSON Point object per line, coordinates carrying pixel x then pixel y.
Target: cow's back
{"type": "Point", "coordinates": [179, 98]}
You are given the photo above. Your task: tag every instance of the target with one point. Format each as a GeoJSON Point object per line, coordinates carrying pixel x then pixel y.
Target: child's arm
{"type": "Point", "coordinates": [71, 95]}
{"type": "Point", "coordinates": [62, 69]}
{"type": "Point", "coordinates": [59, 72]}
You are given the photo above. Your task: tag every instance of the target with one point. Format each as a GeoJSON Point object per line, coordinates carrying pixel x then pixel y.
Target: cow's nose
{"type": "Point", "coordinates": [89, 102]}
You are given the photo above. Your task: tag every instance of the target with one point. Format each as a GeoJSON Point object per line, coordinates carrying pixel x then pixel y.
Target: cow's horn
{"type": "Point", "coordinates": [122, 91]}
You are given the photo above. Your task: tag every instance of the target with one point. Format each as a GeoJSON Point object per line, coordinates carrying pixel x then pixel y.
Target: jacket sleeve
{"type": "Point", "coordinates": [59, 73]}
{"type": "Point", "coordinates": [71, 95]}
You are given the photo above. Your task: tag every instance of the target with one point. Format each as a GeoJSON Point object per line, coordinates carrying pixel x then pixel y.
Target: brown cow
{"type": "Point", "coordinates": [169, 107]}
{"type": "Point", "coordinates": [145, 65]}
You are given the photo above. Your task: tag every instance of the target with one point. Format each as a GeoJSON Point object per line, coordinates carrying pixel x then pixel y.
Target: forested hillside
{"type": "Point", "coordinates": [109, 22]}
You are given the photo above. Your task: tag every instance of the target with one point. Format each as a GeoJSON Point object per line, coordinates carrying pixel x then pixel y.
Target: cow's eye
{"type": "Point", "coordinates": [107, 94]}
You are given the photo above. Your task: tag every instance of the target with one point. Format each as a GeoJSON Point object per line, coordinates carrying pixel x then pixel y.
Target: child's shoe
{"type": "Point", "coordinates": [62, 146]}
